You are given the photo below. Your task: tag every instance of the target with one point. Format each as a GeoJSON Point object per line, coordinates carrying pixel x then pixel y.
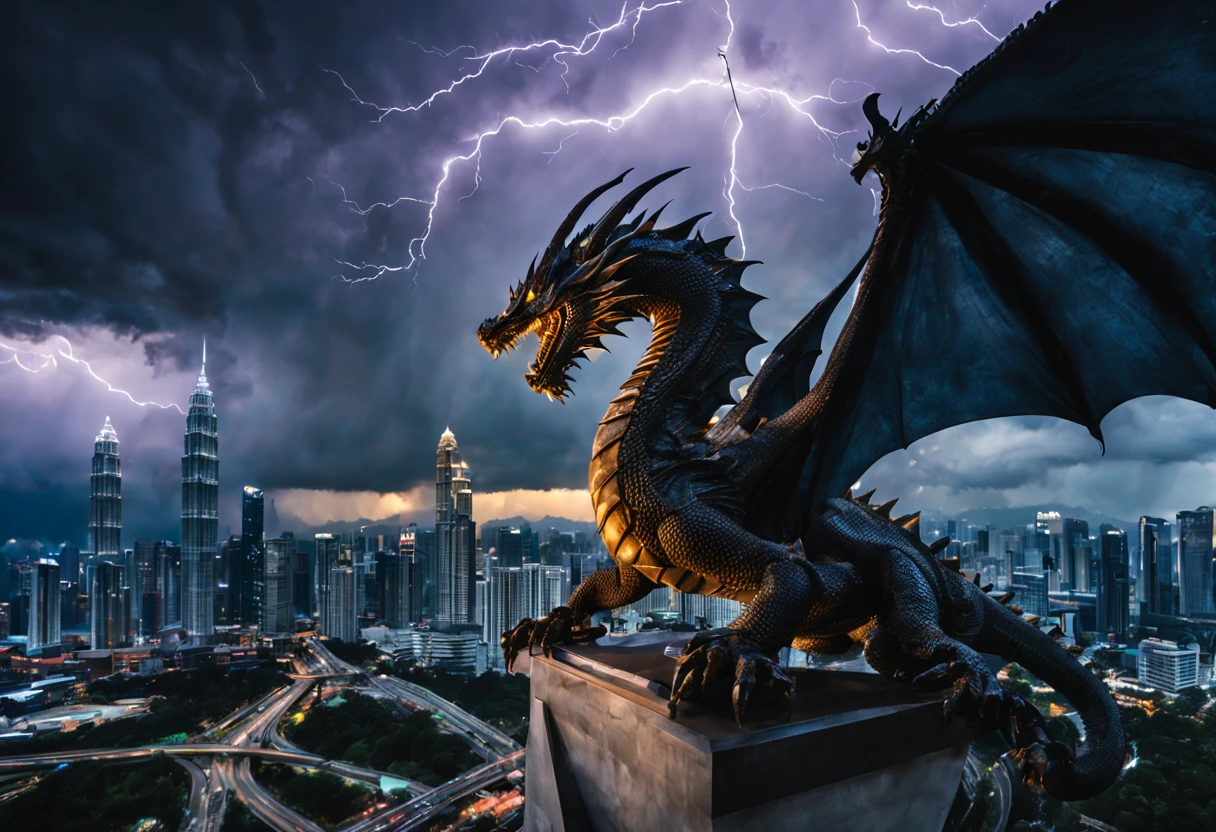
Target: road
{"type": "Point", "coordinates": [492, 743]}
{"type": "Point", "coordinates": [196, 809]}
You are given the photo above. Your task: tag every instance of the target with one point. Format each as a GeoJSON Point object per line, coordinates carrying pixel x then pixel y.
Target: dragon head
{"type": "Point", "coordinates": [887, 140]}
{"type": "Point", "coordinates": [573, 296]}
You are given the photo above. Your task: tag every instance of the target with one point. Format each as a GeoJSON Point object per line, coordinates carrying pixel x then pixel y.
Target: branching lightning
{"type": "Point", "coordinates": [51, 359]}
{"type": "Point", "coordinates": [890, 51]}
{"type": "Point", "coordinates": [920, 7]}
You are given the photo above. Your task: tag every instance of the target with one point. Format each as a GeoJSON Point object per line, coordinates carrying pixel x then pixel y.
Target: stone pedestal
{"type": "Point", "coordinates": [860, 753]}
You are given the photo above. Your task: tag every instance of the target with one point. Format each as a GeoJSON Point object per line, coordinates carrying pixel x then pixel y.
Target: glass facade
{"type": "Point", "coordinates": [200, 511]}
{"type": "Point", "coordinates": [105, 496]}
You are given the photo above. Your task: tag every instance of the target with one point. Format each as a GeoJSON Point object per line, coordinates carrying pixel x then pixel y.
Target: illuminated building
{"type": "Point", "coordinates": [301, 585]}
{"type": "Point", "coordinates": [412, 574]}
{"type": "Point", "coordinates": [510, 546]}
{"type": "Point", "coordinates": [340, 618]}
{"type": "Point", "coordinates": [1196, 545]}
{"type": "Point", "coordinates": [1155, 590]}
{"type": "Point", "coordinates": [145, 597]}
{"type": "Point", "coordinates": [1112, 583]}
{"type": "Point", "coordinates": [44, 605]}
{"type": "Point", "coordinates": [200, 511]}
{"type": "Point", "coordinates": [1031, 592]}
{"type": "Point", "coordinates": [325, 558]}
{"type": "Point", "coordinates": [715, 612]}
{"type": "Point", "coordinates": [516, 592]}
{"type": "Point", "coordinates": [107, 607]}
{"type": "Point", "coordinates": [248, 576]}
{"type": "Point", "coordinates": [455, 536]}
{"type": "Point", "coordinates": [169, 583]}
{"type": "Point", "coordinates": [276, 603]}
{"type": "Point", "coordinates": [1166, 666]}
{"type": "Point", "coordinates": [105, 496]}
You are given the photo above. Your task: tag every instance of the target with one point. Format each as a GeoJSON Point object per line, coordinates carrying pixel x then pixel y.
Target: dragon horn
{"type": "Point", "coordinates": [563, 231]}
{"type": "Point", "coordinates": [531, 270]}
{"type": "Point", "coordinates": [613, 216]}
{"type": "Point", "coordinates": [870, 108]}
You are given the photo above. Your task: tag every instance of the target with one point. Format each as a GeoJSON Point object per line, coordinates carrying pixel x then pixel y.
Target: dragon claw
{"type": "Point", "coordinates": [708, 658]}
{"type": "Point", "coordinates": [558, 627]}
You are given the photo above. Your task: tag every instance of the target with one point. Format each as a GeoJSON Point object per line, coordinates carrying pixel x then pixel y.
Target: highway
{"type": "Point", "coordinates": [196, 809]}
{"type": "Point", "coordinates": [251, 732]}
{"type": "Point", "coordinates": [488, 740]}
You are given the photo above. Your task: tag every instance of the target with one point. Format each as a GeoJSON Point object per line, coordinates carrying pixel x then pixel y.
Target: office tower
{"type": "Point", "coordinates": [169, 582]}
{"type": "Point", "coordinates": [276, 601]}
{"type": "Point", "coordinates": [510, 546]}
{"type": "Point", "coordinates": [200, 510]}
{"type": "Point", "coordinates": [1196, 545]}
{"type": "Point", "coordinates": [301, 584]}
{"type": "Point", "coordinates": [105, 495]}
{"type": "Point", "coordinates": [1030, 590]}
{"type": "Point", "coordinates": [325, 558]}
{"type": "Point", "coordinates": [424, 557]}
{"type": "Point", "coordinates": [145, 598]}
{"type": "Point", "coordinates": [227, 581]}
{"type": "Point", "coordinates": [1155, 588]}
{"type": "Point", "coordinates": [413, 575]}
{"type": "Point", "coordinates": [43, 629]}
{"type": "Point", "coordinates": [340, 610]}
{"type": "Point", "coordinates": [1064, 544]}
{"type": "Point", "coordinates": [250, 570]}
{"type": "Point", "coordinates": [5, 608]}
{"type": "Point", "coordinates": [107, 613]}
{"type": "Point", "coordinates": [1112, 582]}
{"type": "Point", "coordinates": [455, 533]}
{"type": "Point", "coordinates": [69, 563]}
{"type": "Point", "coordinates": [1166, 665]}
{"type": "Point", "coordinates": [509, 597]}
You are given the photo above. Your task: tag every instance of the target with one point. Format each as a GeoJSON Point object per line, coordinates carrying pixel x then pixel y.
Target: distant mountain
{"type": "Point", "coordinates": [562, 524]}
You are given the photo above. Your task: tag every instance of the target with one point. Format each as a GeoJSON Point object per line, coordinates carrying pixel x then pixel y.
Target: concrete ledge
{"type": "Point", "coordinates": [859, 753]}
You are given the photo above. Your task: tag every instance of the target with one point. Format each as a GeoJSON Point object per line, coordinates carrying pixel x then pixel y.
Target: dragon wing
{"type": "Point", "coordinates": [1046, 246]}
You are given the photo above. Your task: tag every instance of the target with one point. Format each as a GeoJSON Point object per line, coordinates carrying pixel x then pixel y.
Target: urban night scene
{"type": "Point", "coordinates": [819, 396]}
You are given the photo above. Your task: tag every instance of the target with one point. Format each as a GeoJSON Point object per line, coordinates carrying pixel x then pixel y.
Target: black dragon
{"type": "Point", "coordinates": [1046, 245]}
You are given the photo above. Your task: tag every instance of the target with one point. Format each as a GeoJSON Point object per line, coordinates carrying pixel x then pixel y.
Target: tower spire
{"type": "Point", "coordinates": [202, 374]}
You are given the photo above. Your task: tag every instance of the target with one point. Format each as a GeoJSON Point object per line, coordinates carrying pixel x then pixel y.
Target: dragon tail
{"type": "Point", "coordinates": [1060, 773]}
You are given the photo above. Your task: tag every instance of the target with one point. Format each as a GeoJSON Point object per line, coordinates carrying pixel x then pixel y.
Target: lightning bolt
{"type": "Point", "coordinates": [890, 51]}
{"type": "Point", "coordinates": [51, 359]}
{"type": "Point", "coordinates": [562, 52]}
{"type": "Point", "coordinates": [921, 7]}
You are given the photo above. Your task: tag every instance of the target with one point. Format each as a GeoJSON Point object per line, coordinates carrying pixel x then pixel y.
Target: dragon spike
{"type": "Point", "coordinates": [976, 579]}
{"type": "Point", "coordinates": [939, 544]}
{"type": "Point", "coordinates": [719, 245]}
{"type": "Point", "coordinates": [1005, 599]}
{"type": "Point", "coordinates": [531, 270]}
{"type": "Point", "coordinates": [648, 226]}
{"type": "Point", "coordinates": [885, 508]}
{"type": "Point", "coordinates": [895, 124]}
{"type": "Point", "coordinates": [870, 108]}
{"type": "Point", "coordinates": [563, 231]}
{"type": "Point", "coordinates": [612, 218]}
{"type": "Point", "coordinates": [986, 588]}
{"type": "Point", "coordinates": [910, 522]}
{"type": "Point", "coordinates": [681, 230]}
{"type": "Point", "coordinates": [848, 495]}
{"type": "Point", "coordinates": [864, 499]}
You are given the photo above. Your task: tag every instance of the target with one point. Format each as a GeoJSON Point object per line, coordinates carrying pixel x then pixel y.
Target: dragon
{"type": "Point", "coordinates": [1046, 245]}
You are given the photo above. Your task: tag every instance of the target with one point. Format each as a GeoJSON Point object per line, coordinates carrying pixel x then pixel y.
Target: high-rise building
{"type": "Point", "coordinates": [1166, 665]}
{"type": "Point", "coordinates": [200, 510]}
{"type": "Point", "coordinates": [1066, 543]}
{"type": "Point", "coordinates": [340, 610]}
{"type": "Point", "coordinates": [455, 536]}
{"type": "Point", "coordinates": [227, 581]}
{"type": "Point", "coordinates": [145, 598]}
{"type": "Point", "coordinates": [169, 583]}
{"type": "Point", "coordinates": [105, 495]}
{"type": "Point", "coordinates": [301, 584]}
{"type": "Point", "coordinates": [276, 603]}
{"type": "Point", "coordinates": [45, 597]}
{"type": "Point", "coordinates": [107, 607]}
{"type": "Point", "coordinates": [1112, 582]}
{"type": "Point", "coordinates": [250, 570]}
{"type": "Point", "coordinates": [1031, 592]}
{"type": "Point", "coordinates": [1155, 588]}
{"type": "Point", "coordinates": [1196, 546]}
{"type": "Point", "coordinates": [325, 558]}
{"type": "Point", "coordinates": [510, 546]}
{"type": "Point", "coordinates": [424, 558]}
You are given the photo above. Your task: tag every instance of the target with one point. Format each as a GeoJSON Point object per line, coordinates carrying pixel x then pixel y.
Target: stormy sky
{"type": "Point", "coordinates": [180, 172]}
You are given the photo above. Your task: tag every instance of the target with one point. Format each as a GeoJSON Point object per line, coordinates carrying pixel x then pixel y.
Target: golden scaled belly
{"type": "Point", "coordinates": [615, 521]}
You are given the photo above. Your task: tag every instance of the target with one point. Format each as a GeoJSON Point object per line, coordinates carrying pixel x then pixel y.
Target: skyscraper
{"type": "Point", "coordinates": [455, 550]}
{"type": "Point", "coordinates": [1196, 546]}
{"type": "Point", "coordinates": [200, 510]}
{"type": "Point", "coordinates": [44, 605]}
{"type": "Point", "coordinates": [169, 582]}
{"type": "Point", "coordinates": [1112, 582]}
{"type": "Point", "coordinates": [510, 546]}
{"type": "Point", "coordinates": [276, 602]}
{"type": "Point", "coordinates": [340, 609]}
{"type": "Point", "coordinates": [325, 558]}
{"type": "Point", "coordinates": [251, 569]}
{"type": "Point", "coordinates": [1155, 592]}
{"type": "Point", "coordinates": [105, 496]}
{"type": "Point", "coordinates": [144, 588]}
{"type": "Point", "coordinates": [107, 613]}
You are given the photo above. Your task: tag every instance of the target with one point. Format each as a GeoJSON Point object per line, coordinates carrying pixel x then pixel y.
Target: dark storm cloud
{"type": "Point", "coordinates": [174, 174]}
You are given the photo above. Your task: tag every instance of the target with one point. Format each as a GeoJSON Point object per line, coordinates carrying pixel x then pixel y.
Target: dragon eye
{"type": "Point", "coordinates": [531, 296]}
